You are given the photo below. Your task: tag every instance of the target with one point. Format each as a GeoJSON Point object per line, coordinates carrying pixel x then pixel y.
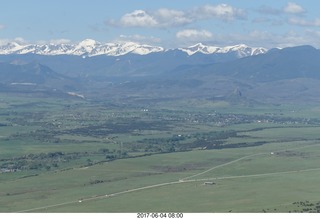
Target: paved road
{"type": "Point", "coordinates": [101, 196]}
{"type": "Point", "coordinates": [184, 180]}
{"type": "Point", "coordinates": [222, 165]}
{"type": "Point", "coordinates": [254, 175]}
{"type": "Point", "coordinates": [165, 184]}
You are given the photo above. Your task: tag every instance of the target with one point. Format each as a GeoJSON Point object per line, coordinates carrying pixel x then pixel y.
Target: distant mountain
{"type": "Point", "coordinates": [33, 76]}
{"type": "Point", "coordinates": [277, 64]}
{"type": "Point", "coordinates": [30, 73]}
{"type": "Point", "coordinates": [89, 48]}
{"type": "Point", "coordinates": [85, 48]}
{"type": "Point", "coordinates": [278, 75]}
{"type": "Point", "coordinates": [127, 65]}
{"type": "Point", "coordinates": [241, 50]}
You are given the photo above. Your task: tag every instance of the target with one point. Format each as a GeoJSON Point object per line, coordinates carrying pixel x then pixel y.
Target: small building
{"type": "Point", "coordinates": [208, 183]}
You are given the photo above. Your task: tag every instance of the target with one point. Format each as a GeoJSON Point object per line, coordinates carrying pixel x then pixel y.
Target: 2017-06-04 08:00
{"type": "Point", "coordinates": [159, 215]}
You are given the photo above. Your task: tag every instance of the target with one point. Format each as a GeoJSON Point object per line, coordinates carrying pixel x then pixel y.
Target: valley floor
{"type": "Point", "coordinates": [62, 156]}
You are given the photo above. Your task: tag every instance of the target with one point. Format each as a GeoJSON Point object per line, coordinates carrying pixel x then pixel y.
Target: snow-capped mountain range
{"type": "Point", "coordinates": [89, 47]}
{"type": "Point", "coordinates": [242, 50]}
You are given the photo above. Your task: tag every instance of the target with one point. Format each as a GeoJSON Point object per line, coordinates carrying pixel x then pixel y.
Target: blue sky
{"type": "Point", "coordinates": [167, 23]}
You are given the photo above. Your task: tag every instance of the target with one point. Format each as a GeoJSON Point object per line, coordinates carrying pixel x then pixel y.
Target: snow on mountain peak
{"type": "Point", "coordinates": [90, 47]}
{"type": "Point", "coordinates": [242, 50]}
{"type": "Point", "coordinates": [86, 46]}
{"type": "Point", "coordinates": [199, 47]}
{"type": "Point", "coordinates": [88, 43]}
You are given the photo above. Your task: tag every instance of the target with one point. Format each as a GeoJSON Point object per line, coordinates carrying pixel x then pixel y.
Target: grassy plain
{"type": "Point", "coordinates": [73, 155]}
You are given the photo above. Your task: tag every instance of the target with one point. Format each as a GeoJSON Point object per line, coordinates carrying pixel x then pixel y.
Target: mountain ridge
{"type": "Point", "coordinates": [280, 75]}
{"type": "Point", "coordinates": [90, 47]}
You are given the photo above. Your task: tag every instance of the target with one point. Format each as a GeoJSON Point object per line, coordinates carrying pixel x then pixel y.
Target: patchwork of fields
{"type": "Point", "coordinates": [78, 155]}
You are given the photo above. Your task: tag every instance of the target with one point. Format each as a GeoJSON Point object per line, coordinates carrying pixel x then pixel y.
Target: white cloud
{"type": "Point", "coordinates": [269, 10]}
{"type": "Point", "coordinates": [54, 41]}
{"type": "Point", "coordinates": [158, 19]}
{"type": "Point", "coordinates": [60, 41]}
{"type": "Point", "coordinates": [193, 35]}
{"type": "Point", "coordinates": [274, 40]}
{"type": "Point", "coordinates": [293, 8]}
{"type": "Point", "coordinates": [138, 18]}
{"type": "Point", "coordinates": [222, 11]}
{"type": "Point", "coordinates": [4, 42]}
{"type": "Point", "coordinates": [18, 40]}
{"type": "Point", "coordinates": [269, 40]}
{"type": "Point", "coordinates": [2, 26]}
{"type": "Point", "coordinates": [253, 38]}
{"type": "Point", "coordinates": [164, 17]}
{"type": "Point", "coordinates": [139, 38]}
{"type": "Point", "coordinates": [167, 17]}
{"type": "Point", "coordinates": [303, 22]}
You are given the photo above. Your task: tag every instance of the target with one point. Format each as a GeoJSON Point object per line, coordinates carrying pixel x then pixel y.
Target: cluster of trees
{"type": "Point", "coordinates": [40, 161]}
{"type": "Point", "coordinates": [52, 160]}
{"type": "Point", "coordinates": [301, 207]}
{"type": "Point", "coordinates": [45, 136]}
{"type": "Point", "coordinates": [113, 154]}
{"type": "Point", "coordinates": [31, 162]}
{"type": "Point", "coordinates": [307, 206]}
{"type": "Point", "coordinates": [208, 140]}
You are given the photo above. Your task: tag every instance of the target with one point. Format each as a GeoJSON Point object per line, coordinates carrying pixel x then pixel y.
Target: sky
{"type": "Point", "coordinates": [166, 23]}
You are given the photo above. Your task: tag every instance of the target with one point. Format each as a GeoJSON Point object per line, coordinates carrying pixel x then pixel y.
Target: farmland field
{"type": "Point", "coordinates": [76, 155]}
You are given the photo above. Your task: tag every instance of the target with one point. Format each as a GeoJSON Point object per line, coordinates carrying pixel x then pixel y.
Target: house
{"type": "Point", "coordinates": [208, 183]}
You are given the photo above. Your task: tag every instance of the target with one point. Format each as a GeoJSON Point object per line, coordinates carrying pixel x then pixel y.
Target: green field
{"type": "Point", "coordinates": [87, 156]}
